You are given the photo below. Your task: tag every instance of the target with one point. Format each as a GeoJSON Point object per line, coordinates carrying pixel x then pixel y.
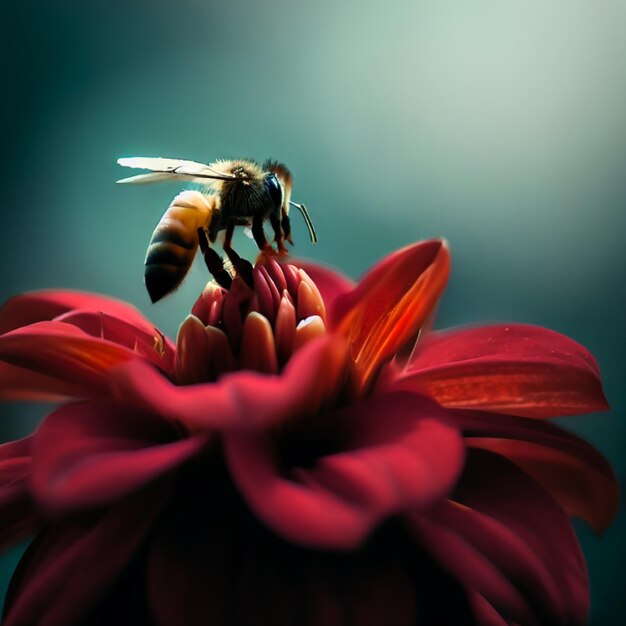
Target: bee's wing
{"type": "Point", "coordinates": [167, 169]}
{"type": "Point", "coordinates": [153, 177]}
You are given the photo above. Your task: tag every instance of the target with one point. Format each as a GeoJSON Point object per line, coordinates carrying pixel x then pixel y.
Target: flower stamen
{"type": "Point", "coordinates": [159, 343]}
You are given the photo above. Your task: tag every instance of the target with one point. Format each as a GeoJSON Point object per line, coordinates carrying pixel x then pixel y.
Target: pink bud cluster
{"type": "Point", "coordinates": [256, 328]}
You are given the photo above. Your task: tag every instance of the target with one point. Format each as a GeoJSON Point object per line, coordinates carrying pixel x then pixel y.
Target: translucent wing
{"type": "Point", "coordinates": [167, 169]}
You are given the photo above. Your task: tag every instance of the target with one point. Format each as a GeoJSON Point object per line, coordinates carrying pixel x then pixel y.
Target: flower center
{"type": "Point", "coordinates": [254, 327]}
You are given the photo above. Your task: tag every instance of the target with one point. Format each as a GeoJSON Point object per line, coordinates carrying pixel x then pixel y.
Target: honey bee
{"type": "Point", "coordinates": [234, 193]}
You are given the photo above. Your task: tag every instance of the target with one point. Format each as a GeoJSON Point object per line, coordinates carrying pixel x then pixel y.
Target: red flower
{"type": "Point", "coordinates": [295, 460]}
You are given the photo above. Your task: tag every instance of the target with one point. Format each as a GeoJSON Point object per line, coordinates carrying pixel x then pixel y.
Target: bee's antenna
{"type": "Point", "coordinates": [307, 219]}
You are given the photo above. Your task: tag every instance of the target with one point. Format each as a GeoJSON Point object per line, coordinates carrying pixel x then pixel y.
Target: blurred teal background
{"type": "Point", "coordinates": [500, 125]}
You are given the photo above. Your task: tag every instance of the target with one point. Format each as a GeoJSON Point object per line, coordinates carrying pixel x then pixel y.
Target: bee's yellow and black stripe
{"type": "Point", "coordinates": [175, 240]}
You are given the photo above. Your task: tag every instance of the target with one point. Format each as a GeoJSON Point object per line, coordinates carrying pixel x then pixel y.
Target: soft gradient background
{"type": "Point", "coordinates": [500, 125]}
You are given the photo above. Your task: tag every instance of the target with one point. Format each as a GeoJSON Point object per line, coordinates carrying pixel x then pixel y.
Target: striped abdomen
{"type": "Point", "coordinates": [175, 241]}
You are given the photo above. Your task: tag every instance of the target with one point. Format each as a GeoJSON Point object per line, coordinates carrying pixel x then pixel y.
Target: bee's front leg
{"type": "Point", "coordinates": [242, 267]}
{"type": "Point", "coordinates": [278, 234]}
{"type": "Point", "coordinates": [213, 261]}
{"type": "Point", "coordinates": [259, 235]}
{"type": "Point", "coordinates": [285, 225]}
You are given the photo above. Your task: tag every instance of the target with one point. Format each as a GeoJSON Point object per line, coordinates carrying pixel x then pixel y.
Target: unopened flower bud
{"type": "Point", "coordinates": [257, 326]}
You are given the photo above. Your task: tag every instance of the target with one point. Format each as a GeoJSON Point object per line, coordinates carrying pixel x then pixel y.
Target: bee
{"type": "Point", "coordinates": [237, 192]}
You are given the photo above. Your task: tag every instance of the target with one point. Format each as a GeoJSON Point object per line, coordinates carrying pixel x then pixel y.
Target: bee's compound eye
{"type": "Point", "coordinates": [274, 190]}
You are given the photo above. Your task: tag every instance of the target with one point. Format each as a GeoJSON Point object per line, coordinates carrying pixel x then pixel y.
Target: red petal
{"type": "Point", "coordinates": [579, 487]}
{"type": "Point", "coordinates": [91, 453]}
{"type": "Point", "coordinates": [524, 507]}
{"type": "Point", "coordinates": [18, 517]}
{"type": "Point", "coordinates": [147, 342]}
{"type": "Point", "coordinates": [62, 351]}
{"type": "Point", "coordinates": [17, 383]}
{"type": "Point", "coordinates": [46, 305]}
{"type": "Point", "coordinates": [570, 469]}
{"type": "Point", "coordinates": [402, 454]}
{"type": "Point", "coordinates": [391, 303]}
{"type": "Point", "coordinates": [15, 461]}
{"type": "Point", "coordinates": [446, 540]}
{"type": "Point", "coordinates": [242, 400]}
{"type": "Point", "coordinates": [508, 560]}
{"type": "Point", "coordinates": [331, 284]}
{"type": "Point", "coordinates": [517, 369]}
{"type": "Point", "coordinates": [70, 567]}
{"type": "Point", "coordinates": [507, 541]}
{"type": "Point", "coordinates": [581, 481]}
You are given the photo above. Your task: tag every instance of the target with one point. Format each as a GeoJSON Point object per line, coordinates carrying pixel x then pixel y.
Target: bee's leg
{"type": "Point", "coordinates": [285, 224]}
{"type": "Point", "coordinates": [259, 235]}
{"type": "Point", "coordinates": [228, 237]}
{"type": "Point", "coordinates": [242, 267]}
{"type": "Point", "coordinates": [278, 234]}
{"type": "Point", "coordinates": [213, 261]}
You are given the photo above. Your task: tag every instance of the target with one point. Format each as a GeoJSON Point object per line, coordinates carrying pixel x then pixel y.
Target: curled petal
{"type": "Point", "coordinates": [208, 307]}
{"type": "Point", "coordinates": [90, 453]}
{"type": "Point", "coordinates": [192, 364]}
{"type": "Point", "coordinates": [202, 353]}
{"type": "Point", "coordinates": [65, 352]}
{"type": "Point", "coordinates": [310, 301]}
{"type": "Point", "coordinates": [307, 330]}
{"type": "Point", "coordinates": [390, 304]}
{"type": "Point", "coordinates": [274, 272]}
{"type": "Point", "coordinates": [237, 296]}
{"type": "Point", "coordinates": [285, 328]}
{"type": "Point", "coordinates": [45, 377]}
{"type": "Point", "coordinates": [517, 369]}
{"type": "Point", "coordinates": [242, 400]}
{"type": "Point", "coordinates": [266, 292]}
{"type": "Point", "coordinates": [40, 306]}
{"type": "Point", "coordinates": [71, 566]}
{"type": "Point", "coordinates": [148, 343]}
{"type": "Point", "coordinates": [292, 277]}
{"type": "Point", "coordinates": [402, 454]}
{"type": "Point", "coordinates": [510, 544]}
{"type": "Point", "coordinates": [258, 347]}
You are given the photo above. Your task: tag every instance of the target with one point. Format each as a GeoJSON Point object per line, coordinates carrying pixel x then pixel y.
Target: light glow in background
{"type": "Point", "coordinates": [499, 125]}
